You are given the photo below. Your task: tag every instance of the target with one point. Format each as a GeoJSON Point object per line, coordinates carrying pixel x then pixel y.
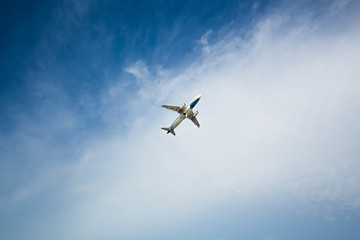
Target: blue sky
{"type": "Point", "coordinates": [82, 155]}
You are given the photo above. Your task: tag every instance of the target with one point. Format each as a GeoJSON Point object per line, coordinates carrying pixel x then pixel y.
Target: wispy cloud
{"type": "Point", "coordinates": [279, 121]}
{"type": "Point", "coordinates": [140, 71]}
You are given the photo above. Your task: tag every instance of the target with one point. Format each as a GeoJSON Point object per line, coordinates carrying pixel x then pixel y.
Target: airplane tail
{"type": "Point", "coordinates": [169, 130]}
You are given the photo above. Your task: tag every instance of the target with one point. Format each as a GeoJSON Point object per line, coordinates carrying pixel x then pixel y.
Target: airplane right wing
{"type": "Point", "coordinates": [174, 108]}
{"type": "Point", "coordinates": [195, 121]}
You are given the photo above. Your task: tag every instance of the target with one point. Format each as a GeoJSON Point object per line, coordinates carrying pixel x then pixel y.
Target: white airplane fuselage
{"type": "Point", "coordinates": [180, 118]}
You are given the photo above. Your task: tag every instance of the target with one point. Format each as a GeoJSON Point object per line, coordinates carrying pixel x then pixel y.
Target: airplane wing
{"type": "Point", "coordinates": [174, 108]}
{"type": "Point", "coordinates": [195, 121]}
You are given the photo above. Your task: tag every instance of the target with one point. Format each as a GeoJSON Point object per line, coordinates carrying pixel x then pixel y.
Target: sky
{"type": "Point", "coordinates": [82, 153]}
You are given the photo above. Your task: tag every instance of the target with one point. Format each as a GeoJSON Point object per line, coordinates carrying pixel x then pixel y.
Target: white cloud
{"type": "Point", "coordinates": [140, 71]}
{"type": "Point", "coordinates": [279, 120]}
{"type": "Point", "coordinates": [275, 113]}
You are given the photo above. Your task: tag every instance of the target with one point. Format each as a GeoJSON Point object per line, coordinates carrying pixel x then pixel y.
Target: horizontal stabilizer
{"type": "Point", "coordinates": [169, 130]}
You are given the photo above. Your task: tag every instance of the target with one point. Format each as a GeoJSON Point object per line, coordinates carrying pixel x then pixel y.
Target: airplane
{"type": "Point", "coordinates": [185, 112]}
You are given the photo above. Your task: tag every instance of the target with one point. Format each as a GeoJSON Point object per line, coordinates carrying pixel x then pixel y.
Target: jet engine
{"type": "Point", "coordinates": [195, 114]}
{"type": "Point", "coordinates": [182, 109]}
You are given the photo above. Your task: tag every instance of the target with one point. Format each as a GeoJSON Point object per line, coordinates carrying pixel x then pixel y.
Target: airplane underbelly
{"type": "Point", "coordinates": [178, 121]}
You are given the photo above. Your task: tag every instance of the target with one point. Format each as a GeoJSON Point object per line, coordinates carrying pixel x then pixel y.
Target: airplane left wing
{"type": "Point", "coordinates": [174, 108]}
{"type": "Point", "coordinates": [195, 121]}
